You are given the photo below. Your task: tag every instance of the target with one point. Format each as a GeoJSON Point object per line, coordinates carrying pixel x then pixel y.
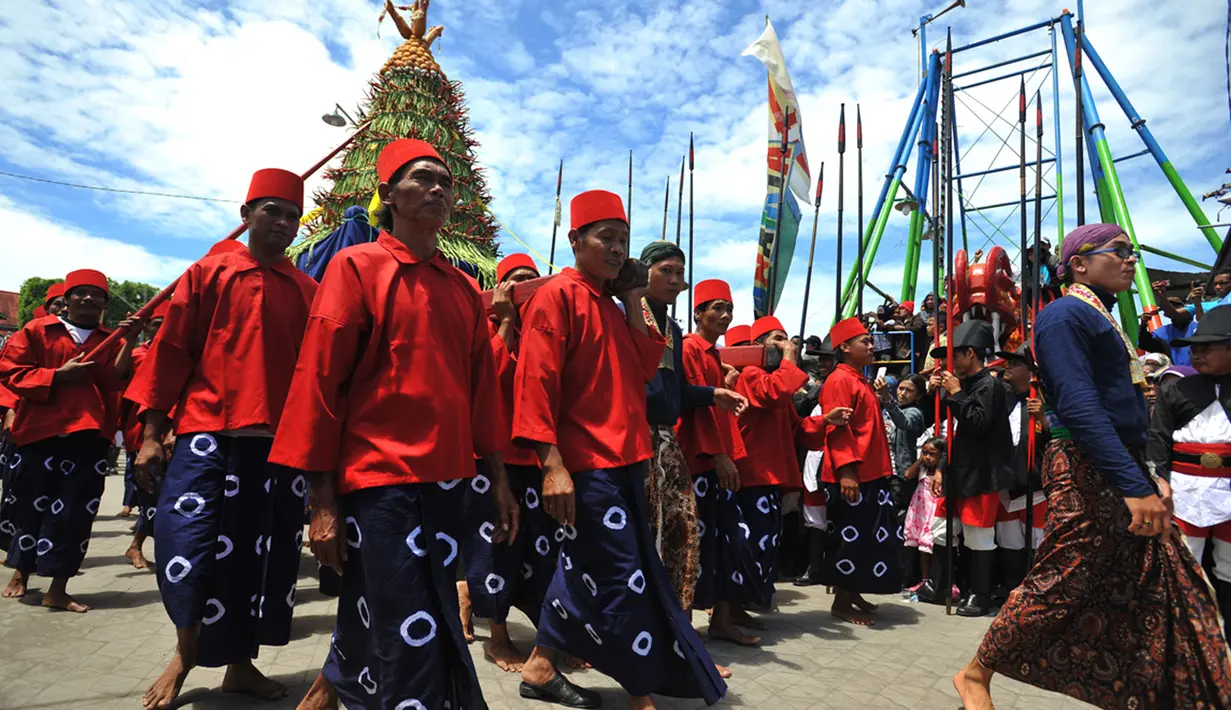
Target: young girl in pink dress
{"type": "Point", "coordinates": [918, 525]}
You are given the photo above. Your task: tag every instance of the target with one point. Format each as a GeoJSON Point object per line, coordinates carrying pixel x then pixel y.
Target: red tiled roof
{"type": "Point", "coordinates": [8, 310]}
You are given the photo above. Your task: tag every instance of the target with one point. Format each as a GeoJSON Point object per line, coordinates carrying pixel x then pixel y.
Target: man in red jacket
{"type": "Point", "coordinates": [132, 427]}
{"type": "Point", "coordinates": [865, 537]}
{"type": "Point", "coordinates": [62, 416]}
{"type": "Point", "coordinates": [394, 394]}
{"type": "Point", "coordinates": [227, 534]}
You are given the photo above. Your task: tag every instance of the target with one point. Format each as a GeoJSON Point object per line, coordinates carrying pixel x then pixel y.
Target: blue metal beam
{"type": "Point", "coordinates": [1006, 35]}
{"type": "Point", "coordinates": [1007, 62]}
{"type": "Point", "coordinates": [1130, 156]}
{"type": "Point", "coordinates": [1011, 75]}
{"type": "Point", "coordinates": [1046, 161]}
{"type": "Point", "coordinates": [1014, 203]}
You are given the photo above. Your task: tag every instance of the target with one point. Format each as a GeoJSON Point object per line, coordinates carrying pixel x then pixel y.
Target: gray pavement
{"type": "Point", "coordinates": [109, 656]}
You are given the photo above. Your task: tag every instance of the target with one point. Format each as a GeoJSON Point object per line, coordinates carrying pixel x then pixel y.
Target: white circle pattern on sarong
{"type": "Point", "coordinates": [92, 506]}
{"type": "Point", "coordinates": [774, 539]}
{"type": "Point", "coordinates": [227, 547]}
{"type": "Point", "coordinates": [764, 541]}
{"type": "Point", "coordinates": [26, 542]}
{"type": "Point", "coordinates": [44, 549]}
{"type": "Point", "coordinates": [366, 682]}
{"type": "Point", "coordinates": [252, 606]}
{"type": "Point", "coordinates": [290, 597]}
{"type": "Point", "coordinates": [701, 486]}
{"type": "Point", "coordinates": [452, 547]}
{"type": "Point", "coordinates": [259, 540]}
{"type": "Point", "coordinates": [763, 504]}
{"type": "Point", "coordinates": [481, 484]}
{"type": "Point", "coordinates": [299, 486]}
{"type": "Point", "coordinates": [542, 545]}
{"type": "Point", "coordinates": [879, 569]}
{"type": "Point", "coordinates": [857, 500]}
{"type": "Point", "coordinates": [760, 570]}
{"type": "Point", "coordinates": [411, 704]}
{"type": "Point", "coordinates": [901, 533]}
{"type": "Point", "coordinates": [850, 534]}
{"type": "Point", "coordinates": [268, 482]}
{"type": "Point", "coordinates": [532, 498]}
{"type": "Point", "coordinates": [555, 604]}
{"type": "Point", "coordinates": [449, 485]}
{"type": "Point", "coordinates": [487, 531]}
{"type": "Point", "coordinates": [830, 526]}
{"type": "Point", "coordinates": [676, 647]}
{"type": "Point", "coordinates": [203, 445]}
{"type": "Point", "coordinates": [737, 577]}
{"type": "Point", "coordinates": [230, 488]}
{"type": "Point", "coordinates": [260, 608]}
{"type": "Point", "coordinates": [365, 615]}
{"type": "Point", "coordinates": [7, 527]}
{"type": "Point", "coordinates": [15, 461]}
{"type": "Point", "coordinates": [150, 511]}
{"type": "Point", "coordinates": [885, 498]}
{"type": "Point", "coordinates": [845, 566]}
{"type": "Point", "coordinates": [590, 584]}
{"type": "Point", "coordinates": [184, 565]}
{"type": "Point", "coordinates": [526, 570]}
{"type": "Point", "coordinates": [568, 562]}
{"type": "Point", "coordinates": [747, 532]}
{"type": "Point", "coordinates": [56, 506]}
{"type": "Point", "coordinates": [47, 463]}
{"type": "Point", "coordinates": [40, 503]}
{"type": "Point", "coordinates": [100, 467]}
{"type": "Point", "coordinates": [219, 611]}
{"type": "Point", "coordinates": [414, 546]}
{"type": "Point", "coordinates": [773, 503]}
{"type": "Point", "coordinates": [701, 523]}
{"type": "Point", "coordinates": [636, 582]}
{"type": "Point", "coordinates": [67, 467]}
{"type": "Point", "coordinates": [299, 539]}
{"type": "Point", "coordinates": [494, 583]}
{"type": "Point", "coordinates": [356, 539]}
{"type": "Point", "coordinates": [84, 544]}
{"type": "Point", "coordinates": [882, 534]}
{"type": "Point", "coordinates": [594, 635]}
{"type": "Point", "coordinates": [610, 518]}
{"type": "Point", "coordinates": [198, 504]}
{"type": "Point", "coordinates": [643, 643]}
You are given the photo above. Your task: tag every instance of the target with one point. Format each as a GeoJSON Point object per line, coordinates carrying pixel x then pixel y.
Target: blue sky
{"type": "Point", "coordinates": [191, 97]}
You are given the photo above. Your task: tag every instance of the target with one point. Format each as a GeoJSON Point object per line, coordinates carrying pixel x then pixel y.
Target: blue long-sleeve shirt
{"type": "Point", "coordinates": [669, 393]}
{"type": "Point", "coordinates": [1085, 372]}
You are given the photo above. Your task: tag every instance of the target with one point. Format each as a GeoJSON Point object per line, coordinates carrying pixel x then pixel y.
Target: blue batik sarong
{"type": "Point", "coordinates": [130, 480]}
{"type": "Point", "coordinates": [864, 542]}
{"type": "Point", "coordinates": [227, 539]}
{"type": "Point", "coordinates": [8, 463]}
{"type": "Point", "coordinates": [749, 557]}
{"type": "Point", "coordinates": [610, 601]}
{"type": "Point", "coordinates": [145, 503]}
{"type": "Point", "coordinates": [505, 575]}
{"type": "Point", "coordinates": [54, 494]}
{"type": "Point", "coordinates": [398, 641]}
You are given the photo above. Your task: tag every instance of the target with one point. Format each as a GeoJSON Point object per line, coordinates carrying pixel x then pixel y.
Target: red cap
{"type": "Point", "coordinates": [763, 325]}
{"type": "Point", "coordinates": [85, 277]}
{"type": "Point", "coordinates": [595, 206]}
{"type": "Point", "coordinates": [226, 246]}
{"type": "Point", "coordinates": [908, 305]}
{"type": "Point", "coordinates": [712, 290]}
{"type": "Point", "coordinates": [40, 312]}
{"type": "Point", "coordinates": [401, 152]}
{"type": "Point", "coordinates": [275, 182]}
{"type": "Point", "coordinates": [737, 334]}
{"type": "Point", "coordinates": [845, 330]}
{"type": "Point", "coordinates": [54, 291]}
{"type": "Point", "coordinates": [512, 262]}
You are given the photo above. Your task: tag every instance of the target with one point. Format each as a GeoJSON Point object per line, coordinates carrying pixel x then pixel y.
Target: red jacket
{"type": "Point", "coordinates": [129, 422]}
{"type": "Point", "coordinates": [861, 442]}
{"type": "Point", "coordinates": [506, 371]}
{"type": "Point", "coordinates": [771, 426]}
{"type": "Point", "coordinates": [228, 344]}
{"type": "Point", "coordinates": [28, 367]}
{"type": "Point", "coordinates": [396, 382]}
{"type": "Point", "coordinates": [581, 379]}
{"type": "Point", "coordinates": [706, 432]}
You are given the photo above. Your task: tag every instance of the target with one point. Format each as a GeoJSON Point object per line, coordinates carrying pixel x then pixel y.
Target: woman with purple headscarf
{"type": "Point", "coordinates": [1116, 612]}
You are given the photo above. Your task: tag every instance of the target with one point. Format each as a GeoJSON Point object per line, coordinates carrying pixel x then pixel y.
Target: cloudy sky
{"type": "Point", "coordinates": [190, 97]}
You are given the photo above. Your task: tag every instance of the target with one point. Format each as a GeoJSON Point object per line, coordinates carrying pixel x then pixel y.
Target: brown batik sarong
{"type": "Point", "coordinates": [1105, 616]}
{"type": "Point", "coordinates": [673, 513]}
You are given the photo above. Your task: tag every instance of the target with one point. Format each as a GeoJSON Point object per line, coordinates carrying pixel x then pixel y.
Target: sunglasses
{"type": "Point", "coordinates": [1123, 251]}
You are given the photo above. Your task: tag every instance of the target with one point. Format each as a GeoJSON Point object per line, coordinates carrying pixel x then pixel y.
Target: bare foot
{"type": "Point", "coordinates": [743, 618]}
{"type": "Point", "coordinates": [463, 604]}
{"type": "Point", "coordinates": [973, 689]}
{"type": "Point", "coordinates": [164, 690]}
{"type": "Point", "coordinates": [577, 663]}
{"type": "Point", "coordinates": [17, 586]}
{"type": "Point", "coordinates": [644, 702]}
{"type": "Point", "coordinates": [846, 612]}
{"type": "Point", "coordinates": [59, 599]}
{"type": "Point", "coordinates": [732, 633]}
{"type": "Point", "coordinates": [125, 512]}
{"type": "Point", "coordinates": [863, 604]}
{"type": "Point", "coordinates": [137, 557]}
{"type": "Point", "coordinates": [245, 678]}
{"type": "Point", "coordinates": [723, 671]}
{"type": "Point", "coordinates": [321, 696]}
{"type": "Point", "coordinates": [505, 655]}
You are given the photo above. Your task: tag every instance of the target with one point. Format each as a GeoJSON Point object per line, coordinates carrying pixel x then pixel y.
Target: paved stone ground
{"type": "Point", "coordinates": [108, 657]}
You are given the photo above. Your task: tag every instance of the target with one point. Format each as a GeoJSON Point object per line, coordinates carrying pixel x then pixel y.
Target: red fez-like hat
{"type": "Point", "coordinates": [595, 206]}
{"type": "Point", "coordinates": [54, 291]}
{"type": "Point", "coordinates": [845, 330]}
{"type": "Point", "coordinates": [765, 324]}
{"type": "Point", "coordinates": [737, 334]}
{"type": "Point", "coordinates": [85, 277]}
{"type": "Point", "coordinates": [908, 305]}
{"type": "Point", "coordinates": [276, 182]}
{"type": "Point", "coordinates": [226, 246]}
{"type": "Point", "coordinates": [512, 262]}
{"type": "Point", "coordinates": [401, 152]}
{"type": "Point", "coordinates": [712, 290]}
{"type": "Point", "coordinates": [39, 312]}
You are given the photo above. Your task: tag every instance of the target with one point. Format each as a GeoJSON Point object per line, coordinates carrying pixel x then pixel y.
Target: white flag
{"type": "Point", "coordinates": [782, 92]}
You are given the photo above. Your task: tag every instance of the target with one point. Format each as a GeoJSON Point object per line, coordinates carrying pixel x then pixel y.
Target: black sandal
{"type": "Point", "coordinates": [560, 691]}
